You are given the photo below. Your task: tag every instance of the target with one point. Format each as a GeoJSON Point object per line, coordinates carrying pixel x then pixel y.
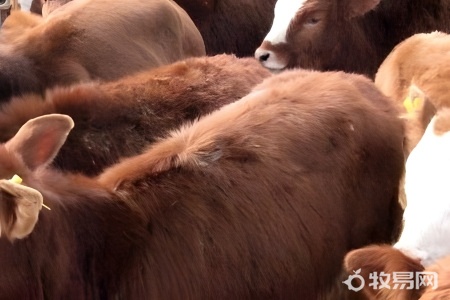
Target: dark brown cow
{"type": "Point", "coordinates": [231, 26]}
{"type": "Point", "coordinates": [227, 26]}
{"type": "Point", "coordinates": [259, 200]}
{"type": "Point", "coordinates": [36, 6]}
{"type": "Point", "coordinates": [119, 118]}
{"type": "Point", "coordinates": [92, 40]}
{"type": "Point", "coordinates": [349, 35]}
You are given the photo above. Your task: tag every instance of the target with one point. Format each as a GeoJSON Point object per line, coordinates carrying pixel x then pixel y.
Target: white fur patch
{"type": "Point", "coordinates": [285, 11]}
{"type": "Point", "coordinates": [272, 62]}
{"type": "Point", "coordinates": [427, 186]}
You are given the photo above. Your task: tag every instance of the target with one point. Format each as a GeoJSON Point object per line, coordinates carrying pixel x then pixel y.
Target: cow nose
{"type": "Point", "coordinates": [262, 55]}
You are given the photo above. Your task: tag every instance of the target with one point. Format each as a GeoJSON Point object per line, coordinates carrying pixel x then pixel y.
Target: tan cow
{"type": "Point", "coordinates": [227, 26]}
{"type": "Point", "coordinates": [88, 40]}
{"type": "Point", "coordinates": [418, 69]}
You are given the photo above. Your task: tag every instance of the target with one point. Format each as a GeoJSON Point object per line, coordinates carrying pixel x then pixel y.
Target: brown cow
{"type": "Point", "coordinates": [92, 40]}
{"type": "Point", "coordinates": [259, 200]}
{"type": "Point", "coordinates": [349, 35]}
{"type": "Point", "coordinates": [227, 26]}
{"type": "Point", "coordinates": [119, 118]}
{"type": "Point", "coordinates": [231, 26]}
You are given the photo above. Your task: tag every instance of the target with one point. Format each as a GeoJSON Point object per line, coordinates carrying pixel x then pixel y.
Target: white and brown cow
{"type": "Point", "coordinates": [348, 35]}
{"type": "Point", "coordinates": [418, 69]}
{"type": "Point", "coordinates": [425, 239]}
{"type": "Point", "coordinates": [259, 200]}
{"type": "Point", "coordinates": [89, 40]}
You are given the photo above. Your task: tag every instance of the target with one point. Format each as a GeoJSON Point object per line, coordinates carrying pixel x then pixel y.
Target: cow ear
{"type": "Point", "coordinates": [372, 261]}
{"type": "Point", "coordinates": [361, 262]}
{"type": "Point", "coordinates": [418, 106]}
{"type": "Point", "coordinates": [19, 209]}
{"type": "Point", "coordinates": [357, 8]}
{"type": "Point", "coordinates": [38, 141]}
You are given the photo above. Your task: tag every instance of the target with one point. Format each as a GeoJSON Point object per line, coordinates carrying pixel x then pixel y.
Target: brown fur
{"type": "Point", "coordinates": [352, 37]}
{"type": "Point", "coordinates": [120, 118]}
{"type": "Point", "coordinates": [442, 124]}
{"type": "Point", "coordinates": [36, 6]}
{"type": "Point", "coordinates": [231, 26]}
{"type": "Point", "coordinates": [88, 40]}
{"type": "Point", "coordinates": [227, 26]}
{"type": "Point", "coordinates": [259, 200]}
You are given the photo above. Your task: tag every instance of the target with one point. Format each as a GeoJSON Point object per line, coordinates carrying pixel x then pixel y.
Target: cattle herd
{"type": "Point", "coordinates": [225, 149]}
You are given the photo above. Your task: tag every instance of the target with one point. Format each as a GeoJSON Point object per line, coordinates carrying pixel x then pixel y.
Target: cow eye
{"type": "Point", "coordinates": [312, 21]}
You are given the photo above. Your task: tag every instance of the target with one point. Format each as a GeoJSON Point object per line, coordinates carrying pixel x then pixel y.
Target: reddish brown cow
{"type": "Point", "coordinates": [259, 200]}
{"type": "Point", "coordinates": [92, 40]}
{"type": "Point", "coordinates": [119, 118]}
{"type": "Point", "coordinates": [227, 26]}
{"type": "Point", "coordinates": [349, 35]}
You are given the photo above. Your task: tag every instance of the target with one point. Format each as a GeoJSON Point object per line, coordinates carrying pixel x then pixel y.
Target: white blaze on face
{"type": "Point", "coordinates": [427, 186]}
{"type": "Point", "coordinates": [285, 11]}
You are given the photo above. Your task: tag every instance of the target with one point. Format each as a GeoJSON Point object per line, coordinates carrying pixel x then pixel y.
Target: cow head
{"type": "Point", "coordinates": [33, 147]}
{"type": "Point", "coordinates": [304, 32]}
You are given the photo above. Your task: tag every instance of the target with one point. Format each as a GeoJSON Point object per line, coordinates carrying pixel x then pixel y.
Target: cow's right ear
{"type": "Point", "coordinates": [38, 141]}
{"type": "Point", "coordinates": [358, 8]}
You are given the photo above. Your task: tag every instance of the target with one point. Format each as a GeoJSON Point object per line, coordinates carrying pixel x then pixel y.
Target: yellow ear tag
{"type": "Point", "coordinates": [412, 105]}
{"type": "Point", "coordinates": [16, 179]}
